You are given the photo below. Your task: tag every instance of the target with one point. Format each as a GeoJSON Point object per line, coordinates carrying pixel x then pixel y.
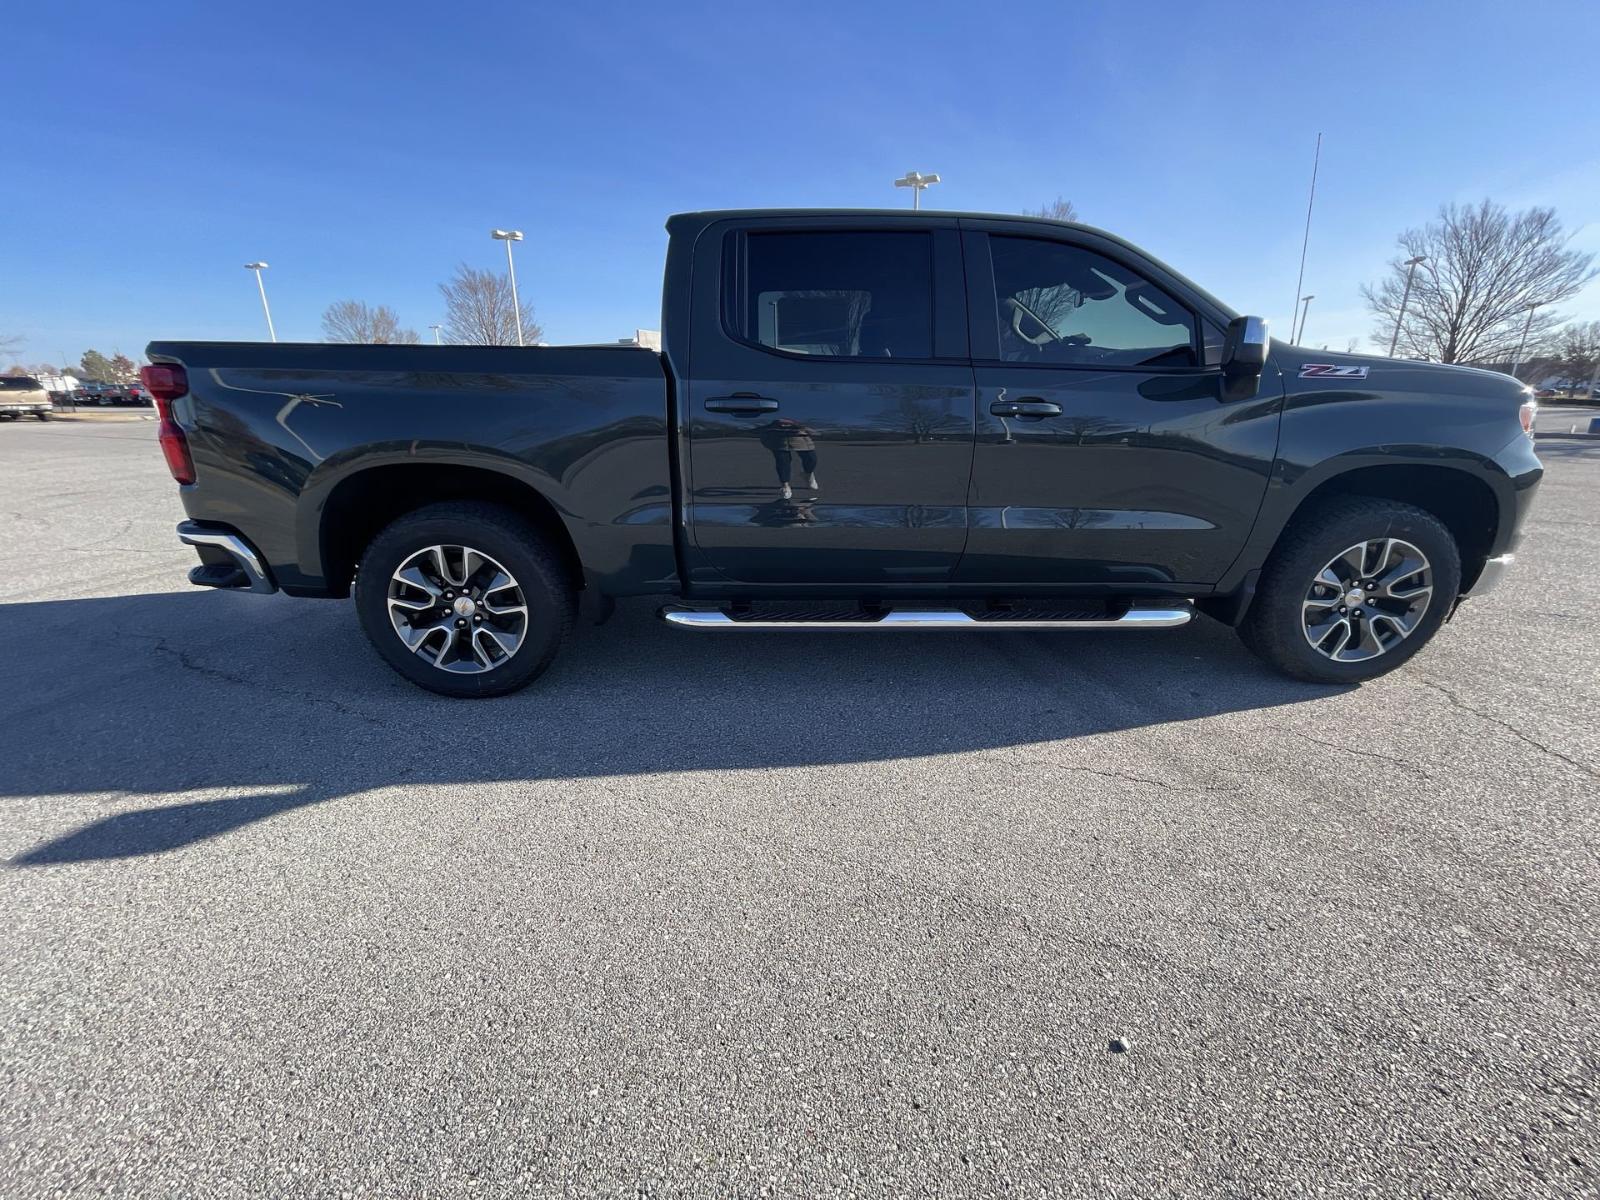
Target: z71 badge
{"type": "Point", "coordinates": [1331, 371]}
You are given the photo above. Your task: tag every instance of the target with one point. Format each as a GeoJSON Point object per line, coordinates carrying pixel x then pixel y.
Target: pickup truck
{"type": "Point", "coordinates": [859, 421]}
{"type": "Point", "coordinates": [24, 396]}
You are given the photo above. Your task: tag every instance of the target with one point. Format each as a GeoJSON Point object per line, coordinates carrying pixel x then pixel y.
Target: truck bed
{"type": "Point", "coordinates": [302, 447]}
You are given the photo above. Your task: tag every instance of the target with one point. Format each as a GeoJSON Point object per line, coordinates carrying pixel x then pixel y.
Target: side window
{"type": "Point", "coordinates": [838, 295]}
{"type": "Point", "coordinates": [1060, 304]}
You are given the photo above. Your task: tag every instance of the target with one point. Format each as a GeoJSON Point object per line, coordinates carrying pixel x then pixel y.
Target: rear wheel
{"type": "Point", "coordinates": [1353, 589]}
{"type": "Point", "coordinates": [464, 599]}
{"type": "Point", "coordinates": [44, 416]}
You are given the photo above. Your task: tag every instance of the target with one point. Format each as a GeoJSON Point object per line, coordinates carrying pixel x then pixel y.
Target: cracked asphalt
{"type": "Point", "coordinates": [784, 915]}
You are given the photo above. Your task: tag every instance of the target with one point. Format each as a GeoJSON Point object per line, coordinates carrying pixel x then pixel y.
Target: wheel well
{"type": "Point", "coordinates": [360, 506]}
{"type": "Point", "coordinates": [1466, 505]}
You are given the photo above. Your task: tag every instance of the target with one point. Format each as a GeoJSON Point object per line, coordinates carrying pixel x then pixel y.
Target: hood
{"type": "Point", "coordinates": [1305, 369]}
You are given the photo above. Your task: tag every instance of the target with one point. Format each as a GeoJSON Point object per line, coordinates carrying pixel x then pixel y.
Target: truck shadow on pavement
{"type": "Point", "coordinates": [241, 708]}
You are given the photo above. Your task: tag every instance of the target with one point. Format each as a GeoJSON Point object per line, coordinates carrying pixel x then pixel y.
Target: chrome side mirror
{"type": "Point", "coordinates": [1244, 350]}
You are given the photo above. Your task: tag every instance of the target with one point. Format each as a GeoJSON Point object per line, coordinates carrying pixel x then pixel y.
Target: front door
{"type": "Point", "coordinates": [830, 409]}
{"type": "Point", "coordinates": [1110, 449]}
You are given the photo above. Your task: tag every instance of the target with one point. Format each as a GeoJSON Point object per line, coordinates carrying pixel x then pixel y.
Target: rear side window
{"type": "Point", "coordinates": [19, 383]}
{"type": "Point", "coordinates": [1064, 305]}
{"type": "Point", "coordinates": [837, 295]}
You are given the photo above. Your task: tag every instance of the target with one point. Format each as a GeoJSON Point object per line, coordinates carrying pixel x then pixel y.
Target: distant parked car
{"type": "Point", "coordinates": [135, 393]}
{"type": "Point", "coordinates": [1545, 394]}
{"type": "Point", "coordinates": [22, 395]}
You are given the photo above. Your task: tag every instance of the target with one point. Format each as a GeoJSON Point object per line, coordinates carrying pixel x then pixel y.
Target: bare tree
{"type": "Point", "coordinates": [1577, 354]}
{"type": "Point", "coordinates": [11, 343]}
{"type": "Point", "coordinates": [353, 321]}
{"type": "Point", "coordinates": [1469, 299]}
{"type": "Point", "coordinates": [478, 310]}
{"type": "Point", "coordinates": [1061, 209]}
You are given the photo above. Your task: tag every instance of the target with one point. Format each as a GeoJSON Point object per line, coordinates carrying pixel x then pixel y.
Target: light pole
{"type": "Point", "coordinates": [508, 236]}
{"type": "Point", "coordinates": [259, 267]}
{"type": "Point", "coordinates": [436, 329]}
{"type": "Point", "coordinates": [1411, 269]}
{"type": "Point", "coordinates": [1523, 344]}
{"type": "Point", "coordinates": [1305, 306]}
{"type": "Point", "coordinates": [916, 181]}
{"type": "Point", "coordinates": [1305, 243]}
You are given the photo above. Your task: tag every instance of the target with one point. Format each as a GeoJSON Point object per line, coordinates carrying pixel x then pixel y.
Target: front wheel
{"type": "Point", "coordinates": [1352, 590]}
{"type": "Point", "coordinates": [464, 599]}
{"type": "Point", "coordinates": [44, 416]}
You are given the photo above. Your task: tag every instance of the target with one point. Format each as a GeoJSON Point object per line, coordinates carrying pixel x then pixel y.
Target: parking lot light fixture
{"type": "Point", "coordinates": [916, 181]}
{"type": "Point", "coordinates": [1527, 327]}
{"type": "Point", "coordinates": [508, 236]}
{"type": "Point", "coordinates": [1305, 307]}
{"type": "Point", "coordinates": [259, 267]}
{"type": "Point", "coordinates": [1411, 270]}
{"type": "Point", "coordinates": [437, 340]}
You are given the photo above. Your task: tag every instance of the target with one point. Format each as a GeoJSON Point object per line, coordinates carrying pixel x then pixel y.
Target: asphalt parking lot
{"type": "Point", "coordinates": [710, 915]}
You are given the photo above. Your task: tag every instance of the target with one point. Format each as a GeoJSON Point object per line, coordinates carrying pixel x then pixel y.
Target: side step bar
{"type": "Point", "coordinates": [1165, 617]}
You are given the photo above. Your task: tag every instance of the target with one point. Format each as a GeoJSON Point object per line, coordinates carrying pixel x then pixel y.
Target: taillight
{"type": "Point", "coordinates": [165, 381]}
{"type": "Point", "coordinates": [1526, 414]}
{"type": "Point", "coordinates": [166, 384]}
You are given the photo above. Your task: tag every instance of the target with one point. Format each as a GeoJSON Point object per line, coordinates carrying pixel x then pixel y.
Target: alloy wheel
{"type": "Point", "coordinates": [458, 609]}
{"type": "Point", "coordinates": [1367, 600]}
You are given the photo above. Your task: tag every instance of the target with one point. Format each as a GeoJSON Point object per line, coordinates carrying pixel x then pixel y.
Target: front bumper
{"type": "Point", "coordinates": [1494, 570]}
{"type": "Point", "coordinates": [219, 548]}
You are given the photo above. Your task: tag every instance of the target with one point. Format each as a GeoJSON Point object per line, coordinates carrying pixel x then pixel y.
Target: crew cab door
{"type": "Point", "coordinates": [829, 408]}
{"type": "Point", "coordinates": [1110, 450]}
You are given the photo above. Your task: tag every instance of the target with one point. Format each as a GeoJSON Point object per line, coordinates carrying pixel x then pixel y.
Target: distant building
{"type": "Point", "coordinates": [650, 339]}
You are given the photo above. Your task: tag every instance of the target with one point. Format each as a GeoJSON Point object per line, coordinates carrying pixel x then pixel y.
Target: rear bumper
{"type": "Point", "coordinates": [219, 546]}
{"type": "Point", "coordinates": [25, 409]}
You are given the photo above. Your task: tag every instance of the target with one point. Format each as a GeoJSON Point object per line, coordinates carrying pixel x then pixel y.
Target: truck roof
{"type": "Point", "coordinates": [682, 222]}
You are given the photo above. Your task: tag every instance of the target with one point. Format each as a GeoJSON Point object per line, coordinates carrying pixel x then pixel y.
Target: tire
{"type": "Point", "coordinates": [44, 416]}
{"type": "Point", "coordinates": [1289, 610]}
{"type": "Point", "coordinates": [501, 539]}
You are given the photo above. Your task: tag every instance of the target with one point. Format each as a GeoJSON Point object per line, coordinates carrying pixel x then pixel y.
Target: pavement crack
{"type": "Point", "coordinates": [1457, 702]}
{"type": "Point", "coordinates": [1388, 758]}
{"type": "Point", "coordinates": [1125, 777]}
{"type": "Point", "coordinates": [189, 662]}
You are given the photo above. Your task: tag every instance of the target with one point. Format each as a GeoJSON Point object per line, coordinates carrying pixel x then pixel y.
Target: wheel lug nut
{"type": "Point", "coordinates": [1342, 608]}
{"type": "Point", "coordinates": [461, 624]}
{"type": "Point", "coordinates": [477, 620]}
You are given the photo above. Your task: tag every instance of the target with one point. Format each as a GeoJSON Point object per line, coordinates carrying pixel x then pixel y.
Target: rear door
{"type": "Point", "coordinates": [1110, 449]}
{"type": "Point", "coordinates": [830, 410]}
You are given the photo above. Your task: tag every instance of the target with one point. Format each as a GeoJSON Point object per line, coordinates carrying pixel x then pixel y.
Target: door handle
{"type": "Point", "coordinates": [1032, 407]}
{"type": "Point", "coordinates": [741, 404]}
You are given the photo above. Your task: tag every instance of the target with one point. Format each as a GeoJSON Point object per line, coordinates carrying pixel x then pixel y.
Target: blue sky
{"type": "Point", "coordinates": [364, 150]}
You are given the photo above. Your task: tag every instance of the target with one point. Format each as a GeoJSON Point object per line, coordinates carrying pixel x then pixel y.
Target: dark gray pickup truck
{"type": "Point", "coordinates": [861, 421]}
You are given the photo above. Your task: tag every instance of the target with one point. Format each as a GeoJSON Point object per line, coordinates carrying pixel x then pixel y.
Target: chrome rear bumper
{"type": "Point", "coordinates": [240, 551]}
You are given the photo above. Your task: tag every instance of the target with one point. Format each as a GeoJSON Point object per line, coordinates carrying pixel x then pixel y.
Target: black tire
{"type": "Point", "coordinates": [44, 416]}
{"type": "Point", "coordinates": [1273, 627]}
{"type": "Point", "coordinates": [546, 588]}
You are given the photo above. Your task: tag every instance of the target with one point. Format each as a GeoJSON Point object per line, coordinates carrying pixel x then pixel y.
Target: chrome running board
{"type": "Point", "coordinates": [1167, 616]}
